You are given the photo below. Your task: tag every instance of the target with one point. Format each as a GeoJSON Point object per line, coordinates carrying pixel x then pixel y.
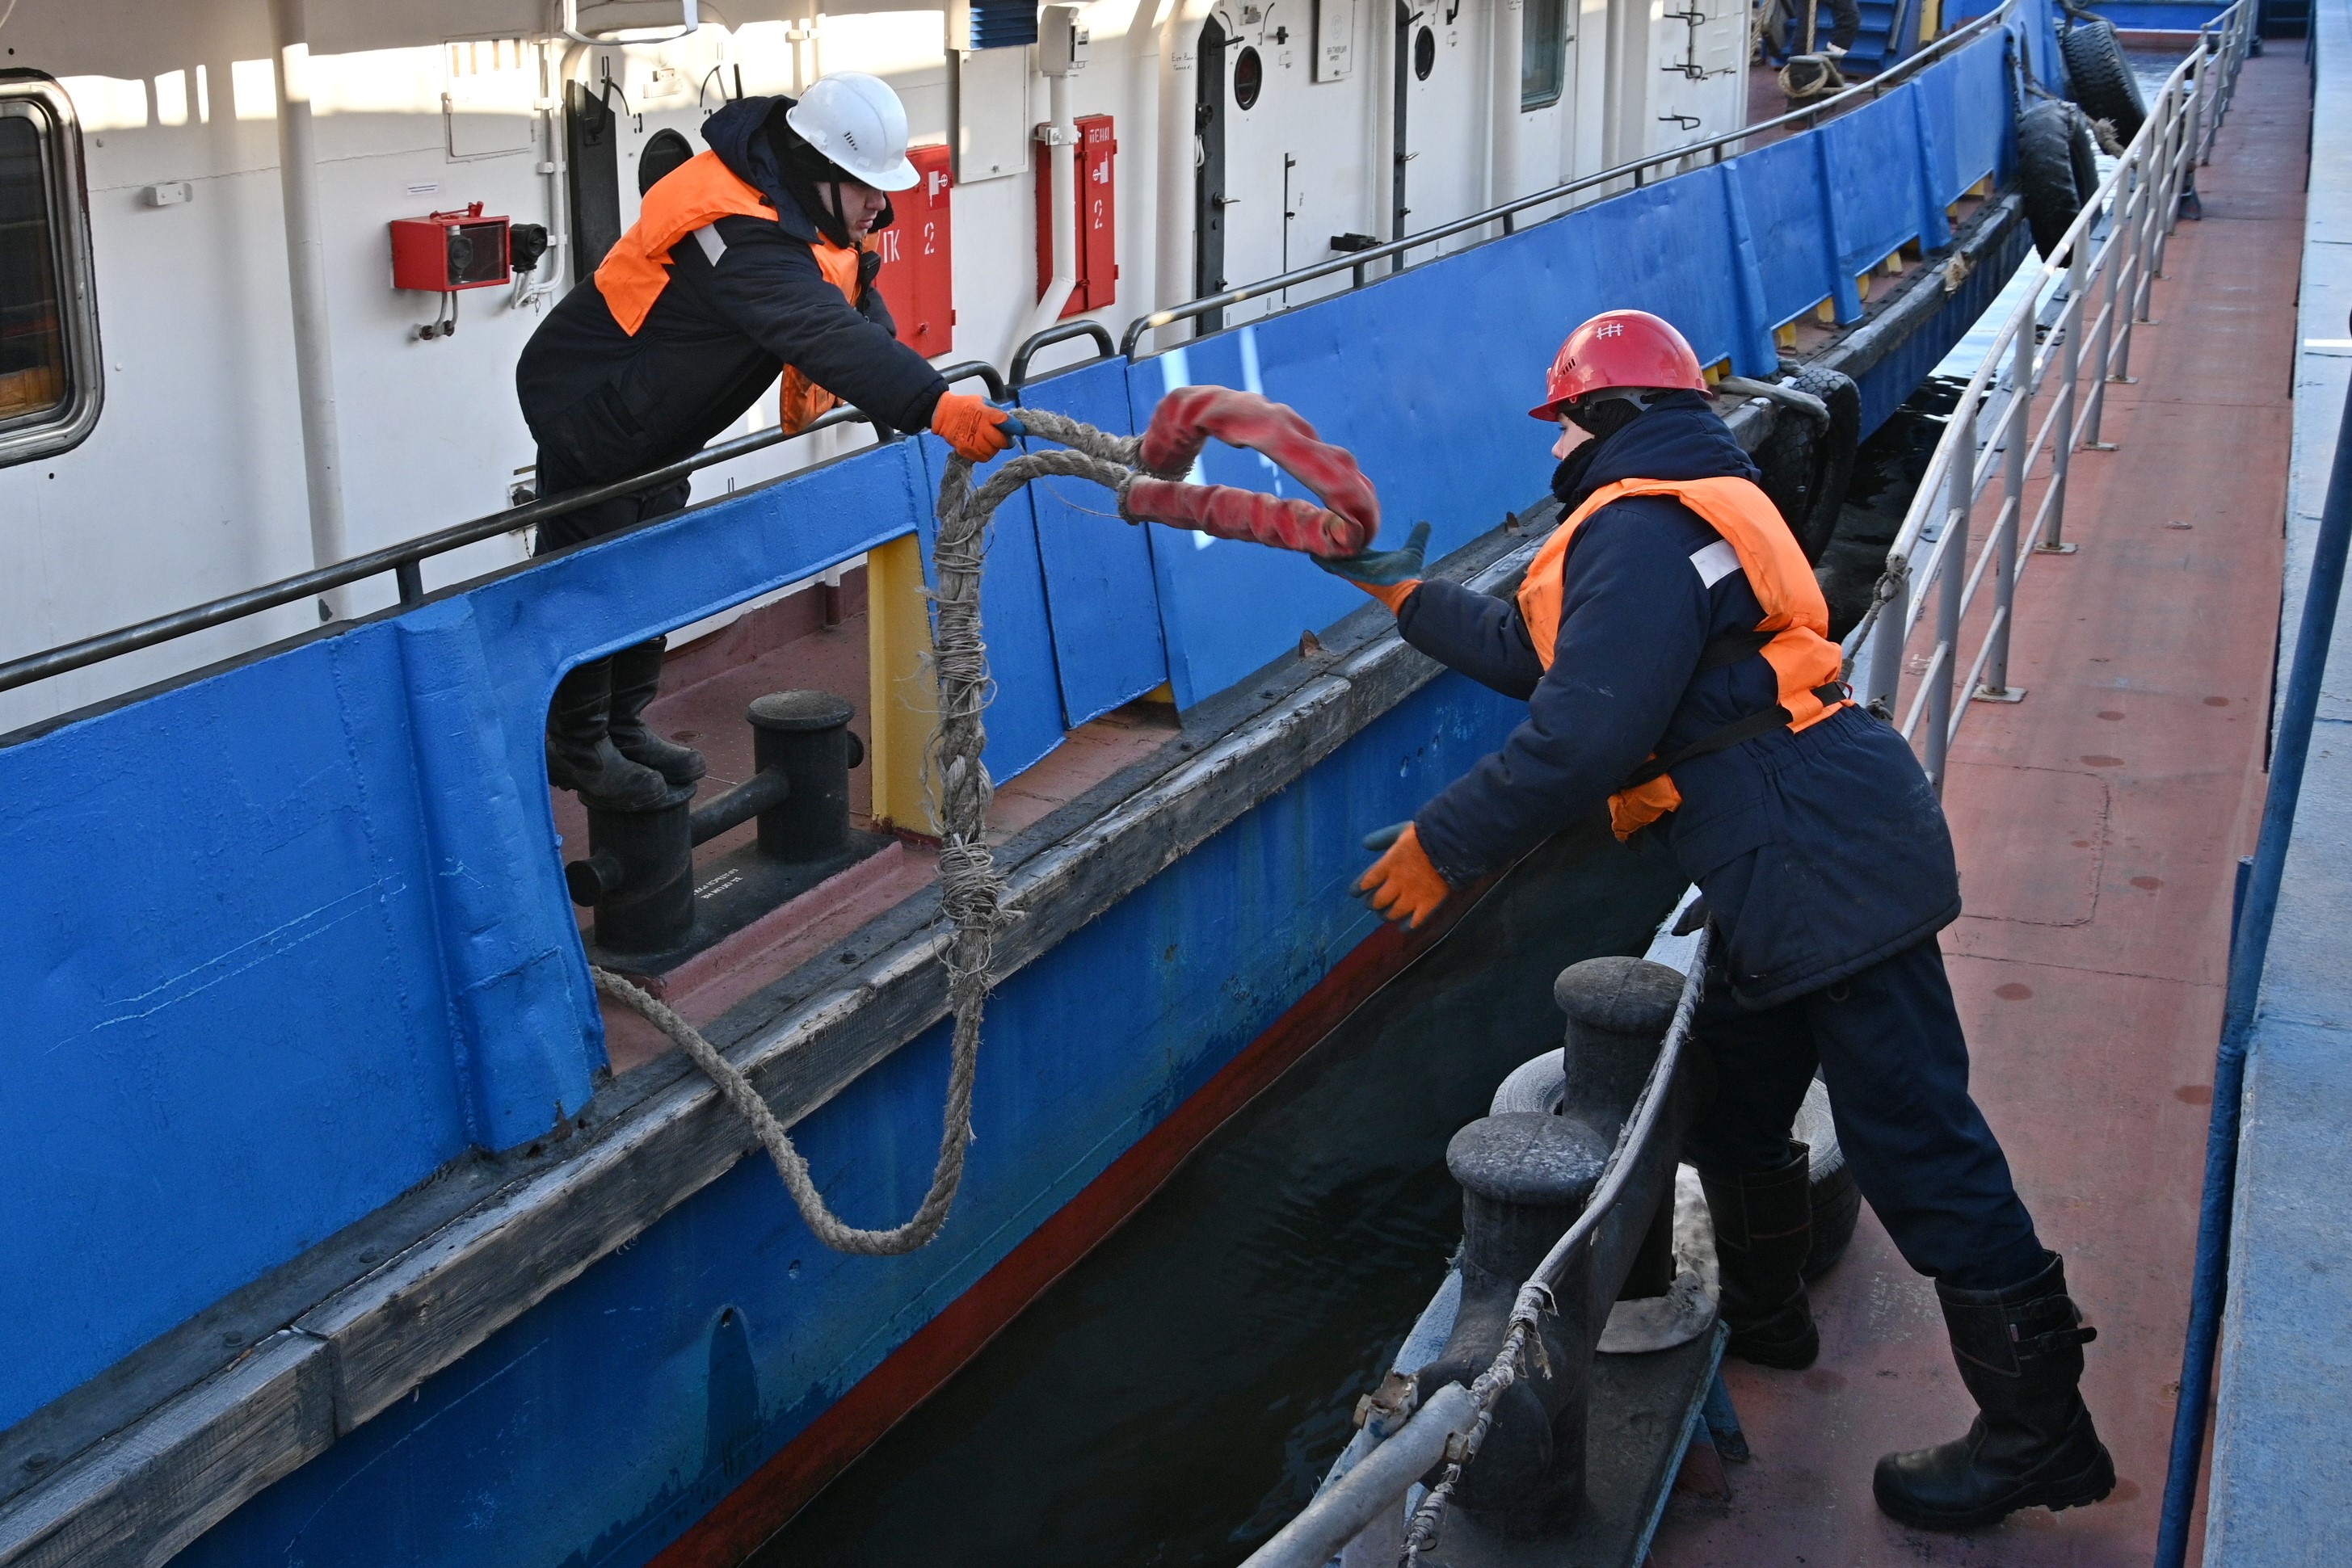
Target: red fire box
{"type": "Point", "coordinates": [918, 251]}
{"type": "Point", "coordinates": [1097, 282]}
{"type": "Point", "coordinates": [449, 251]}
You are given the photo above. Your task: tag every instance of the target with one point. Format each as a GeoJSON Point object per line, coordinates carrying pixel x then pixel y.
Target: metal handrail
{"type": "Point", "coordinates": [1361, 261]}
{"type": "Point", "coordinates": [2140, 204]}
{"type": "Point", "coordinates": [403, 559]}
{"type": "Point", "coordinates": [1060, 333]}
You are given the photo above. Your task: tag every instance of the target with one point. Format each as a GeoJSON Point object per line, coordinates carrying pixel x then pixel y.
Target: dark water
{"type": "Point", "coordinates": [1173, 1398]}
{"type": "Point", "coordinates": [1886, 472]}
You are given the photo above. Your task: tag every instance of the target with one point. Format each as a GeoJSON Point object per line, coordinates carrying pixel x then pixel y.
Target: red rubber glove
{"type": "Point", "coordinates": [1403, 884]}
{"type": "Point", "coordinates": [971, 424]}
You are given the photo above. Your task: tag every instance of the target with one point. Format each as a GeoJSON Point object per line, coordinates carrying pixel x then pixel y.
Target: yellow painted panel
{"type": "Point", "coordinates": [1786, 337]}
{"type": "Point", "coordinates": [901, 711]}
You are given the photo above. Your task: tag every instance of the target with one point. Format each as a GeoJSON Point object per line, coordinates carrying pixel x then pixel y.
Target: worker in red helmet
{"type": "Point", "coordinates": [1672, 646]}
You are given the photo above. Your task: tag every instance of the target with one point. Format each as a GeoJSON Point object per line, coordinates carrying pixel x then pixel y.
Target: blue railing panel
{"type": "Point", "coordinates": [1099, 591]}
{"type": "Point", "coordinates": [1024, 716]}
{"type": "Point", "coordinates": [1427, 377]}
{"type": "Point", "coordinates": [1874, 164]}
{"type": "Point", "coordinates": [1795, 254]}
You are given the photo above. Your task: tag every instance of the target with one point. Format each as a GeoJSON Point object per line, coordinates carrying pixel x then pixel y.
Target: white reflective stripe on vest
{"type": "Point", "coordinates": [1715, 563]}
{"type": "Point", "coordinates": [713, 247]}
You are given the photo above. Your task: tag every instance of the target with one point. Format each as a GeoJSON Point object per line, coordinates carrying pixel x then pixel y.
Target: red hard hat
{"type": "Point", "coordinates": [1619, 349]}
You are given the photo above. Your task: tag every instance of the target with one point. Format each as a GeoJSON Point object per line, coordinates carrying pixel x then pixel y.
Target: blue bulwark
{"type": "Point", "coordinates": [1099, 589]}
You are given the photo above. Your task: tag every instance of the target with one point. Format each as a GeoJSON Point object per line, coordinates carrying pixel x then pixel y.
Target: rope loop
{"type": "Point", "coordinates": [971, 891]}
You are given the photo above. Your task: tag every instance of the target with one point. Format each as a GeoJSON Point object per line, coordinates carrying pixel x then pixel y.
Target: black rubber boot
{"type": "Point", "coordinates": [1762, 1235]}
{"type": "Point", "coordinates": [1763, 1229]}
{"type": "Point", "coordinates": [2020, 1351]}
{"type": "Point", "coordinates": [637, 679]}
{"type": "Point", "coordinates": [579, 753]}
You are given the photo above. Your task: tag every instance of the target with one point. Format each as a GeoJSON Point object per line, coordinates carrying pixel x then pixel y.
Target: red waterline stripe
{"type": "Point", "coordinates": [777, 1490]}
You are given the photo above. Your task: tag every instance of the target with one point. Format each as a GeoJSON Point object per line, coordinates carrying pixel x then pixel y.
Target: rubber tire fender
{"type": "Point", "coordinates": [2101, 79]}
{"type": "Point", "coordinates": [1834, 456]}
{"type": "Point", "coordinates": [1836, 1200]}
{"type": "Point", "coordinates": [2054, 148]}
{"type": "Point", "coordinates": [1539, 1085]}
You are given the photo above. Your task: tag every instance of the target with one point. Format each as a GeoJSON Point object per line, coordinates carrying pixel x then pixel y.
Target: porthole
{"type": "Point", "coordinates": [1424, 55]}
{"type": "Point", "coordinates": [49, 385]}
{"type": "Point", "coordinates": [1249, 79]}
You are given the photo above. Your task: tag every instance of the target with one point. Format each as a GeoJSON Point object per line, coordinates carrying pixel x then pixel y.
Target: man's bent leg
{"type": "Point", "coordinates": [1897, 1068]}
{"type": "Point", "coordinates": [1759, 1183]}
{"type": "Point", "coordinates": [1896, 1063]}
{"type": "Point", "coordinates": [597, 744]}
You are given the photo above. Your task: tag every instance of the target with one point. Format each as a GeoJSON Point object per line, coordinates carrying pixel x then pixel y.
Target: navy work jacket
{"type": "Point", "coordinates": [733, 314]}
{"type": "Point", "coordinates": [1820, 852]}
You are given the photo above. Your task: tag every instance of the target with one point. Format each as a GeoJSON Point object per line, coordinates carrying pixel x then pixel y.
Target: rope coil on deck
{"type": "Point", "coordinates": [971, 892]}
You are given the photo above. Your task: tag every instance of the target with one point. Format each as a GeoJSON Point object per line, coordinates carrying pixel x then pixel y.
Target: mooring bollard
{"type": "Point", "coordinates": [640, 871]}
{"type": "Point", "coordinates": [1618, 1010]}
{"type": "Point", "coordinates": [1526, 1178]}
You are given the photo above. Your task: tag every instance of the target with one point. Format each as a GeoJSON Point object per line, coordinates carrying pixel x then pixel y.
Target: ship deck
{"type": "Point", "coordinates": [2098, 825]}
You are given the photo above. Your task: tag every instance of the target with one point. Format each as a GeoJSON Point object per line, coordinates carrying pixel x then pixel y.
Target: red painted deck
{"type": "Point", "coordinates": [2098, 824]}
{"type": "Point", "coordinates": [790, 645]}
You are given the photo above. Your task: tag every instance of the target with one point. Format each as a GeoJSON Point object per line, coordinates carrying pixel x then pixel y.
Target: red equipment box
{"type": "Point", "coordinates": [1098, 283]}
{"type": "Point", "coordinates": [449, 251]}
{"type": "Point", "coordinates": [918, 252]}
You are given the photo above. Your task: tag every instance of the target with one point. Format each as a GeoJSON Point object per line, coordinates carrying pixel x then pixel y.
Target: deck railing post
{"type": "Point", "coordinates": [2062, 445]}
{"type": "Point", "coordinates": [2004, 543]}
{"type": "Point", "coordinates": [2124, 252]}
{"type": "Point", "coordinates": [1952, 567]}
{"type": "Point", "coordinates": [1883, 679]}
{"type": "Point", "coordinates": [2155, 205]}
{"type": "Point", "coordinates": [2111, 263]}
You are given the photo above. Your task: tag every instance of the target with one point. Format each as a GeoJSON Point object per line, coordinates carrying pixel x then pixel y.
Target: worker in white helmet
{"type": "Point", "coordinates": [746, 262]}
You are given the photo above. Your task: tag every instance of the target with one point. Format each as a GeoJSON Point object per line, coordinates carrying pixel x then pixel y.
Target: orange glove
{"type": "Point", "coordinates": [972, 425]}
{"type": "Point", "coordinates": [1403, 884]}
{"type": "Point", "coordinates": [1389, 576]}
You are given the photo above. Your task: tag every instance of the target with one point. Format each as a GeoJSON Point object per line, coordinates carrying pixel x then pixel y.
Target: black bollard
{"type": "Point", "coordinates": [1525, 1177]}
{"type": "Point", "coordinates": [639, 873]}
{"type": "Point", "coordinates": [639, 876]}
{"type": "Point", "coordinates": [1618, 1010]}
{"type": "Point", "coordinates": [805, 737]}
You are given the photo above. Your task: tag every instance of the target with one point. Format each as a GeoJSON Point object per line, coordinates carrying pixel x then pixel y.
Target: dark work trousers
{"type": "Point", "coordinates": [555, 478]}
{"type": "Point", "coordinates": [569, 529]}
{"type": "Point", "coordinates": [1888, 1044]}
{"type": "Point", "coordinates": [1845, 25]}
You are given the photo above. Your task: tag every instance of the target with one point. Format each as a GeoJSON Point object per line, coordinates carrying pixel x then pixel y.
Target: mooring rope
{"type": "Point", "coordinates": [971, 892]}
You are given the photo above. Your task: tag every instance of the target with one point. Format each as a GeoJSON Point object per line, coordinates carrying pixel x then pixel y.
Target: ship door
{"type": "Point", "coordinates": [1209, 172]}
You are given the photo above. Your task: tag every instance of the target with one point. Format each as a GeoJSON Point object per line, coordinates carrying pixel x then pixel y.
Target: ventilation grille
{"type": "Point", "coordinates": [999, 25]}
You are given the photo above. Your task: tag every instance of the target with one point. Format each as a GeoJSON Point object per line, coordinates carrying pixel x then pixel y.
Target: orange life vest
{"type": "Point", "coordinates": [698, 192]}
{"type": "Point", "coordinates": [1793, 636]}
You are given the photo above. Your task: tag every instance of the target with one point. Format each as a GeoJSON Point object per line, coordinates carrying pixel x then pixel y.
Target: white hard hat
{"type": "Point", "coordinates": [858, 122]}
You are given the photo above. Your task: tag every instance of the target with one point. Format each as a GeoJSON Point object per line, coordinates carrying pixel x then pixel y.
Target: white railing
{"type": "Point", "coordinates": [2113, 254]}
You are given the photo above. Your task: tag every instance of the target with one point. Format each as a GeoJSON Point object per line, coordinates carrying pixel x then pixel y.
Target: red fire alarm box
{"type": "Point", "coordinates": [1097, 282]}
{"type": "Point", "coordinates": [449, 251]}
{"type": "Point", "coordinates": [918, 252]}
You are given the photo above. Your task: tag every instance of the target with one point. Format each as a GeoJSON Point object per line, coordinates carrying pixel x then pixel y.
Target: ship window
{"type": "Point", "coordinates": [1543, 52]}
{"type": "Point", "coordinates": [48, 358]}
